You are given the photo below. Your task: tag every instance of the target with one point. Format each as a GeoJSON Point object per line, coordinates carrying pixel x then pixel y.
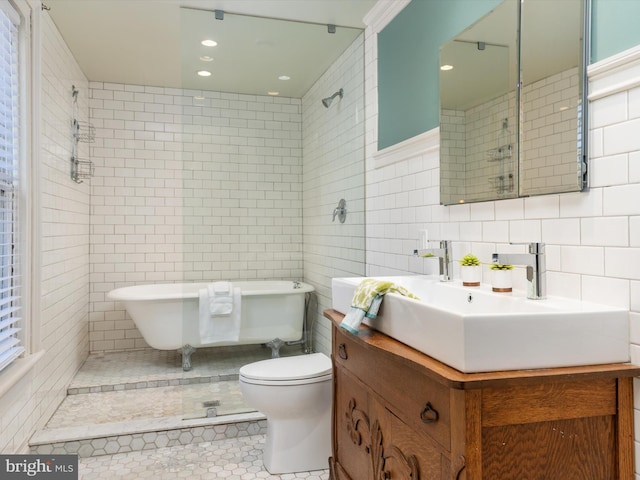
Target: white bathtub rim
{"type": "Point", "coordinates": [161, 291]}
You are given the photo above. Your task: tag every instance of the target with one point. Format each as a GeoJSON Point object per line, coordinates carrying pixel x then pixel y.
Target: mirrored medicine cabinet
{"type": "Point", "coordinates": [513, 103]}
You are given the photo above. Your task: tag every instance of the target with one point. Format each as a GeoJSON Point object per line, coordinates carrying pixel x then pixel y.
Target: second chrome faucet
{"type": "Point", "coordinates": [534, 260]}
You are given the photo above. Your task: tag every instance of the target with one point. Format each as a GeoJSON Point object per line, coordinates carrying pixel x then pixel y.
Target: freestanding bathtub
{"type": "Point", "coordinates": [273, 312]}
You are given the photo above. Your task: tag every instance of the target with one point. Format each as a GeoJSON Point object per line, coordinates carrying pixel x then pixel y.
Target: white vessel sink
{"type": "Point", "coordinates": [477, 330]}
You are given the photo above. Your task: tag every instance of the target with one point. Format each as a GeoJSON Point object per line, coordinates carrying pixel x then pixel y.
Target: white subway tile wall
{"type": "Point", "coordinates": [452, 136]}
{"type": "Point", "coordinates": [65, 252]}
{"type": "Point", "coordinates": [189, 186]}
{"type": "Point", "coordinates": [487, 174]}
{"type": "Point", "coordinates": [549, 133]}
{"type": "Point", "coordinates": [333, 153]}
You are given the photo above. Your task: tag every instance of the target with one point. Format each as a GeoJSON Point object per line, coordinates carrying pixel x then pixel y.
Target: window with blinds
{"type": "Point", "coordinates": [11, 345]}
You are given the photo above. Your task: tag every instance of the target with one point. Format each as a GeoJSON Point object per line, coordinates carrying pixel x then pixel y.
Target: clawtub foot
{"type": "Point", "coordinates": [186, 351]}
{"type": "Point", "coordinates": [275, 345]}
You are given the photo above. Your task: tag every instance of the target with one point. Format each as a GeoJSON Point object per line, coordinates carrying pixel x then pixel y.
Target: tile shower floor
{"type": "Point", "coordinates": [139, 415]}
{"type": "Point", "coordinates": [151, 384]}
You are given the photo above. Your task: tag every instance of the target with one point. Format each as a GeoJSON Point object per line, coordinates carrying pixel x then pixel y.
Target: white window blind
{"type": "Point", "coordinates": [11, 345]}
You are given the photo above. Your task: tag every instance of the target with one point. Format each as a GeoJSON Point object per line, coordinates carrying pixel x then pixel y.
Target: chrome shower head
{"type": "Point", "coordinates": [327, 101]}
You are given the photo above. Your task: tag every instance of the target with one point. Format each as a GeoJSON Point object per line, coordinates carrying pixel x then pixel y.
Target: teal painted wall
{"type": "Point", "coordinates": [408, 51]}
{"type": "Point", "coordinates": [614, 27]}
{"type": "Point", "coordinates": [408, 59]}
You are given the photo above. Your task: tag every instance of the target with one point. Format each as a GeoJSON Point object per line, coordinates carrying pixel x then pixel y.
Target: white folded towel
{"type": "Point", "coordinates": [220, 310]}
{"type": "Point", "coordinates": [220, 298]}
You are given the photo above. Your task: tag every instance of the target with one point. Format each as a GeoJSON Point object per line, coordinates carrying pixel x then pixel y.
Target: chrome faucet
{"type": "Point", "coordinates": [443, 253]}
{"type": "Point", "coordinates": [536, 268]}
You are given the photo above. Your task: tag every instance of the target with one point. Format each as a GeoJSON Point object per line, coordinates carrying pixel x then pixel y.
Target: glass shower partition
{"type": "Point", "coordinates": [235, 158]}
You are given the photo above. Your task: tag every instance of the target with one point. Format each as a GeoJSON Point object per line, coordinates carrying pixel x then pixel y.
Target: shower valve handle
{"type": "Point", "coordinates": [340, 211]}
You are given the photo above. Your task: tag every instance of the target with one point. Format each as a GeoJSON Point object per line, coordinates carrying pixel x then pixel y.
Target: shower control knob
{"type": "Point", "coordinates": [340, 211]}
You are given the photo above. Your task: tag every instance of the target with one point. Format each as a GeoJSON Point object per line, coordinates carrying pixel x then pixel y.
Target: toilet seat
{"type": "Point", "coordinates": [296, 370]}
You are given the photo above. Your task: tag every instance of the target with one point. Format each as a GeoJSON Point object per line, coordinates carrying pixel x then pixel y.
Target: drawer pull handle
{"type": "Point", "coordinates": [429, 414]}
{"type": "Point", "coordinates": [342, 351]}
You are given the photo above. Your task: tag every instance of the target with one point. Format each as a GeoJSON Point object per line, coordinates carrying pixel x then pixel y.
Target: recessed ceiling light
{"type": "Point", "coordinates": [446, 67]}
{"type": "Point", "coordinates": [274, 93]}
{"type": "Point", "coordinates": [204, 73]}
{"type": "Point", "coordinates": [209, 43]}
{"type": "Point", "coordinates": [284, 77]}
{"type": "Point", "coordinates": [206, 58]}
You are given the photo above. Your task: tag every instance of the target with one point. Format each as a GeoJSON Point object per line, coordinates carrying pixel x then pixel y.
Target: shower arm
{"type": "Point", "coordinates": [339, 93]}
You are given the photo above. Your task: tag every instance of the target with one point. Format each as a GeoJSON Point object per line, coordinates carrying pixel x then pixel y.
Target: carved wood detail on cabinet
{"type": "Point", "coordinates": [377, 452]}
{"type": "Point", "coordinates": [409, 464]}
{"type": "Point", "coordinates": [374, 445]}
{"type": "Point", "coordinates": [354, 418]}
{"type": "Point", "coordinates": [401, 415]}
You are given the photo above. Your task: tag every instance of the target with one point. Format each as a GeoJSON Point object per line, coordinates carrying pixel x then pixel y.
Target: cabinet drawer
{"type": "Point", "coordinates": [407, 457]}
{"type": "Point", "coordinates": [413, 397]}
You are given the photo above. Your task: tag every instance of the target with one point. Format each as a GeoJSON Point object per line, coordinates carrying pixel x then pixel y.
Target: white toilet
{"type": "Point", "coordinates": [294, 393]}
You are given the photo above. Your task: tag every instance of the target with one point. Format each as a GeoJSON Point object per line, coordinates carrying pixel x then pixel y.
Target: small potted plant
{"type": "Point", "coordinates": [470, 270]}
{"type": "Point", "coordinates": [501, 277]}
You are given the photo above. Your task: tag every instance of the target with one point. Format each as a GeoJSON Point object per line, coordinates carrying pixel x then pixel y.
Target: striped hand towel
{"type": "Point", "coordinates": [367, 299]}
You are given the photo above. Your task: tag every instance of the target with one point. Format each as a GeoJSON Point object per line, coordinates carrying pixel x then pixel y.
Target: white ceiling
{"type": "Point", "coordinates": [156, 42]}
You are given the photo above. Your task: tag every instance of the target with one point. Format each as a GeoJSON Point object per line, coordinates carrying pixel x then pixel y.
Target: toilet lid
{"type": "Point", "coordinates": [314, 367]}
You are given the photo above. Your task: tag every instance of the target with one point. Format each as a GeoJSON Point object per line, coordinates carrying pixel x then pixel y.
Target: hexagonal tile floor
{"type": "Point", "coordinates": [232, 459]}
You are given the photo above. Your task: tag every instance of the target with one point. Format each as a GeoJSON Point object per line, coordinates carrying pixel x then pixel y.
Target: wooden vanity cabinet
{"type": "Point", "coordinates": [400, 414]}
